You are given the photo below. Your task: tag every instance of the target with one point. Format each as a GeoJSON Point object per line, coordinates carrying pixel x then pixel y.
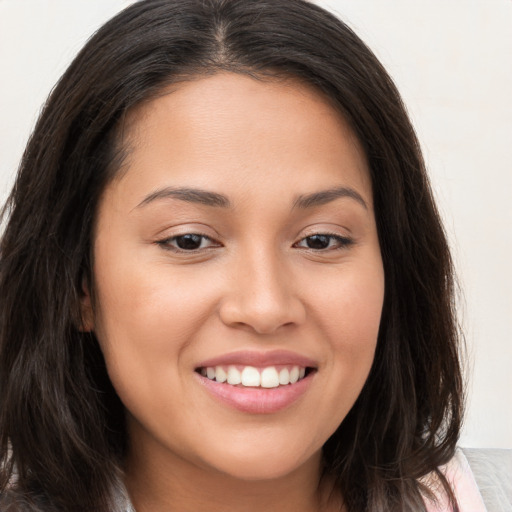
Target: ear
{"type": "Point", "coordinates": [86, 321]}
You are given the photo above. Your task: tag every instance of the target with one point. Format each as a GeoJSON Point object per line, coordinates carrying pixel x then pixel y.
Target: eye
{"type": "Point", "coordinates": [188, 242]}
{"type": "Point", "coordinates": [322, 242]}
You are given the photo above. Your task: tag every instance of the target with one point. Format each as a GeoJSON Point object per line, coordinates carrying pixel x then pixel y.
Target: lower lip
{"type": "Point", "coordinates": [257, 400]}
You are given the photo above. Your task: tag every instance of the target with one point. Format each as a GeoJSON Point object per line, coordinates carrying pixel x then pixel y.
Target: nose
{"type": "Point", "coordinates": [262, 295]}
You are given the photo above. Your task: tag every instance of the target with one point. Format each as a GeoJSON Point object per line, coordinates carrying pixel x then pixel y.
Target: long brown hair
{"type": "Point", "coordinates": [62, 433]}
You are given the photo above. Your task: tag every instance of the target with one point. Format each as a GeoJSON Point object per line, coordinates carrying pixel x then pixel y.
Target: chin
{"type": "Point", "coordinates": [261, 465]}
{"type": "Point", "coordinates": [265, 471]}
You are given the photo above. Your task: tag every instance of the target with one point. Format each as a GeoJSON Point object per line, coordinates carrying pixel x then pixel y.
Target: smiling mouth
{"type": "Point", "coordinates": [250, 376]}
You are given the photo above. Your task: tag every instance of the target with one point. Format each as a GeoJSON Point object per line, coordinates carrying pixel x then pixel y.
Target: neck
{"type": "Point", "coordinates": [178, 485]}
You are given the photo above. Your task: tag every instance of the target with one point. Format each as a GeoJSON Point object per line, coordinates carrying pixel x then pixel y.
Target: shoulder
{"type": "Point", "coordinates": [461, 479]}
{"type": "Point", "coordinates": [12, 501]}
{"type": "Point", "coordinates": [8, 503]}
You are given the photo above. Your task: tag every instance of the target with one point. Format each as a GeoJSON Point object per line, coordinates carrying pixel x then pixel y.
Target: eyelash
{"type": "Point", "coordinates": [167, 244]}
{"type": "Point", "coordinates": [341, 241]}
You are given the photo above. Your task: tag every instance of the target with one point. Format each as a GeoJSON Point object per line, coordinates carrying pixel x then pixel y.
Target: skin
{"type": "Point", "coordinates": [254, 284]}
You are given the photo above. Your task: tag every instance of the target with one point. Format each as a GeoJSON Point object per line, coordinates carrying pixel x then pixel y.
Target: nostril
{"type": "Point", "coordinates": [262, 319]}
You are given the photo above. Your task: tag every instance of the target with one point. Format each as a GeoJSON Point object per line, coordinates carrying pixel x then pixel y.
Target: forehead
{"type": "Point", "coordinates": [208, 130]}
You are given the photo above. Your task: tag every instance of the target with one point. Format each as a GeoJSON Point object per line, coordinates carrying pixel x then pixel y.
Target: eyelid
{"type": "Point", "coordinates": [165, 243]}
{"type": "Point", "coordinates": [325, 227]}
{"type": "Point", "coordinates": [343, 241]}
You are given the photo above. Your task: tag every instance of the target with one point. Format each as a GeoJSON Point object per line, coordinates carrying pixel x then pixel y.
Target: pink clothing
{"type": "Point", "coordinates": [460, 476]}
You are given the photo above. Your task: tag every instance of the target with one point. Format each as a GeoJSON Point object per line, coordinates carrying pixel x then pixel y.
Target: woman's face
{"type": "Point", "coordinates": [239, 243]}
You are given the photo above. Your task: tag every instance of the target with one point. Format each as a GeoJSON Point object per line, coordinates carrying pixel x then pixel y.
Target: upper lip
{"type": "Point", "coordinates": [262, 359]}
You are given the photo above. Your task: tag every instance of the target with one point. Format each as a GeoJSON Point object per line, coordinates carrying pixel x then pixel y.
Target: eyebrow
{"type": "Point", "coordinates": [191, 195]}
{"type": "Point", "coordinates": [326, 196]}
{"type": "Point", "coordinates": [207, 198]}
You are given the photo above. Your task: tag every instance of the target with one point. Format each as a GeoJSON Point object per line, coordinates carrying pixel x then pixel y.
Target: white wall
{"type": "Point", "coordinates": [452, 61]}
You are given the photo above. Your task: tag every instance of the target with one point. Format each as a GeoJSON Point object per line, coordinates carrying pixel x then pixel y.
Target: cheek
{"type": "Point", "coordinates": [148, 315]}
{"type": "Point", "coordinates": [349, 310]}
{"type": "Point", "coordinates": [350, 302]}
{"type": "Point", "coordinates": [143, 325]}
{"type": "Point", "coordinates": [346, 311]}
{"type": "Point", "coordinates": [150, 305]}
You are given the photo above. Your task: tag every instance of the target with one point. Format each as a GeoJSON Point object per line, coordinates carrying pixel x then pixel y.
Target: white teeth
{"type": "Point", "coordinates": [284, 377]}
{"type": "Point", "coordinates": [269, 378]}
{"type": "Point", "coordinates": [250, 376]}
{"type": "Point", "coordinates": [294, 375]}
{"type": "Point", "coordinates": [220, 374]}
{"type": "Point", "coordinates": [233, 376]}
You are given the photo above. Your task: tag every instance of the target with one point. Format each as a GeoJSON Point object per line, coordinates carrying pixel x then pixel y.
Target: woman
{"type": "Point", "coordinates": [224, 280]}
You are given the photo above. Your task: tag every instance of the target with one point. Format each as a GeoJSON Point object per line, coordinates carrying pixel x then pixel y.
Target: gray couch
{"type": "Point", "coordinates": [492, 469]}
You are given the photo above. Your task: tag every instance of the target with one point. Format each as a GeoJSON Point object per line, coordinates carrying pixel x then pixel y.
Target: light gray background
{"type": "Point", "coordinates": [452, 61]}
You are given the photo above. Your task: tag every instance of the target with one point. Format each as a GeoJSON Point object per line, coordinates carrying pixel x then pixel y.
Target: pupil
{"type": "Point", "coordinates": [188, 242]}
{"type": "Point", "coordinates": [318, 241]}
